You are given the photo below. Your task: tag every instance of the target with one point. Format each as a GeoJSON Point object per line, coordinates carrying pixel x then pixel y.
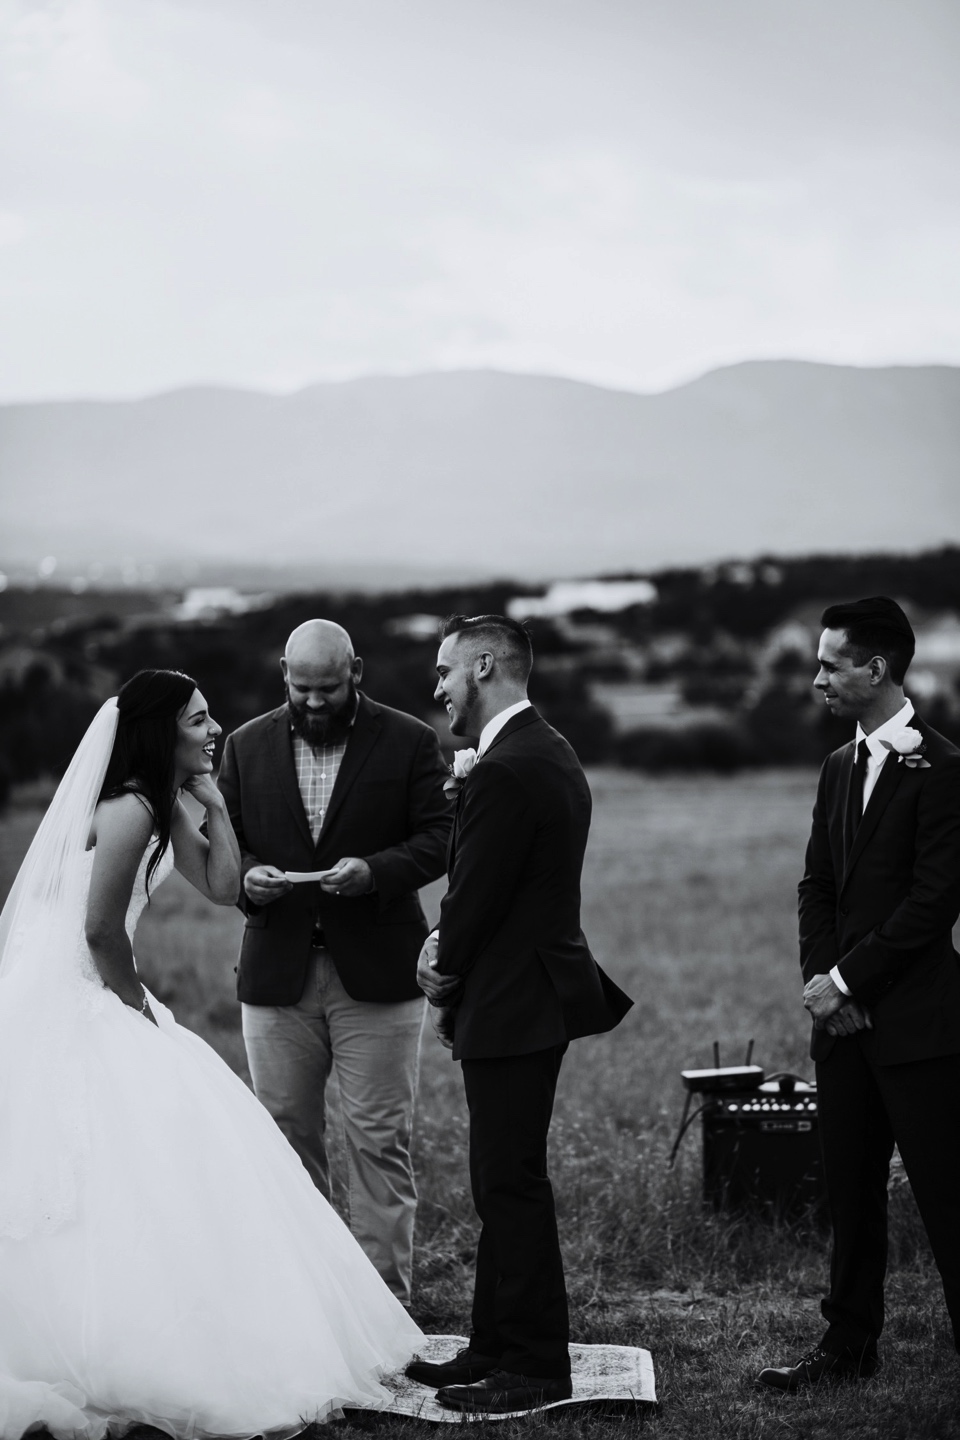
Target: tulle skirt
{"type": "Point", "coordinates": [195, 1280]}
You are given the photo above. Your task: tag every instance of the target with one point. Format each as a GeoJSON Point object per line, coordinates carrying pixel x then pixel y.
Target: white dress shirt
{"type": "Point", "coordinates": [877, 754]}
{"type": "Point", "coordinates": [876, 751]}
{"type": "Point", "coordinates": [493, 727]}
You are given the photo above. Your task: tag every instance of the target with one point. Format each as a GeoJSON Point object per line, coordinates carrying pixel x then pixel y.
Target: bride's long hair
{"type": "Point", "coordinates": [142, 760]}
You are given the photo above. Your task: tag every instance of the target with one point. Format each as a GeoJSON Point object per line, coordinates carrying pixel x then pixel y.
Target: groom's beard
{"type": "Point", "coordinates": [460, 721]}
{"type": "Point", "coordinates": [330, 728]}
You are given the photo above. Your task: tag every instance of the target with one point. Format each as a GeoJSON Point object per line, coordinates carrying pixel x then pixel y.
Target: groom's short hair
{"type": "Point", "coordinates": [875, 626]}
{"type": "Point", "coordinates": [508, 640]}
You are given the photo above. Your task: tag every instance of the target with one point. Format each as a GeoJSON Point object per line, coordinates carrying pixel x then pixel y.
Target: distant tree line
{"type": "Point", "coordinates": [55, 676]}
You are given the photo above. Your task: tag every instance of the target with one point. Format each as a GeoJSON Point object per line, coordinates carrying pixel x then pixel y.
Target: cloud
{"type": "Point", "coordinates": [270, 194]}
{"type": "Point", "coordinates": [61, 59]}
{"type": "Point", "coordinates": [13, 228]}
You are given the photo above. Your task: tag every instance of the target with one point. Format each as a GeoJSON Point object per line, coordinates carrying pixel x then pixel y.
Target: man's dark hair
{"type": "Point", "coordinates": [509, 641]}
{"type": "Point", "coordinates": [875, 626]}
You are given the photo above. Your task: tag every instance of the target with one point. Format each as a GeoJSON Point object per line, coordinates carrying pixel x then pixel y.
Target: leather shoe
{"type": "Point", "coordinates": [817, 1366]}
{"type": "Point", "coordinates": [503, 1393]}
{"type": "Point", "coordinates": [465, 1367]}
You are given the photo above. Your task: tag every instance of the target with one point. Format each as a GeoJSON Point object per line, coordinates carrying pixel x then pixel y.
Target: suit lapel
{"type": "Point", "coordinates": [840, 840]}
{"type": "Point", "coordinates": [363, 737]}
{"type": "Point", "coordinates": [281, 748]}
{"type": "Point", "coordinates": [891, 773]}
{"type": "Point", "coordinates": [452, 837]}
{"type": "Point", "coordinates": [516, 722]}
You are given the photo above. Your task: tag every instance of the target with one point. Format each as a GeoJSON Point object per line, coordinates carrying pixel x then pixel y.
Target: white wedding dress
{"type": "Point", "coordinates": [164, 1256]}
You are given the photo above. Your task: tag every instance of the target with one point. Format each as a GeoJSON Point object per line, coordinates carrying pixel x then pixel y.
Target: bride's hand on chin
{"type": "Point", "coordinates": [203, 788]}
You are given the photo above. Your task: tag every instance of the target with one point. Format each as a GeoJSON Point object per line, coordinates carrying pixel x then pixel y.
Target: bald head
{"type": "Point", "coordinates": [319, 642]}
{"type": "Point", "coordinates": [321, 674]}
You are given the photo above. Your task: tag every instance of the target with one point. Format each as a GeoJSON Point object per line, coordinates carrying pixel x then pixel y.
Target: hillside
{"type": "Point", "coordinates": [505, 473]}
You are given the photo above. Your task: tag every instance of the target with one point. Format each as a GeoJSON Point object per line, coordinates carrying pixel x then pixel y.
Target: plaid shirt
{"type": "Point", "coordinates": [317, 770]}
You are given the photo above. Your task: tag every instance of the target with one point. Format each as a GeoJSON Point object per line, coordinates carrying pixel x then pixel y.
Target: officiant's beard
{"type": "Point", "coordinates": [330, 728]}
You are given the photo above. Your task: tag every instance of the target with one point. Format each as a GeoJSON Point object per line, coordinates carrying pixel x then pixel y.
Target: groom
{"type": "Point", "coordinates": [878, 902]}
{"type": "Point", "coordinates": [513, 981]}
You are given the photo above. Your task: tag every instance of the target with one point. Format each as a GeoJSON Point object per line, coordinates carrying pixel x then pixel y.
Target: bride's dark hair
{"type": "Point", "coordinates": [143, 752]}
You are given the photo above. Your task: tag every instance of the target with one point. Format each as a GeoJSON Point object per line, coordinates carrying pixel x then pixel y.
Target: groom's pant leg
{"type": "Point", "coordinates": [289, 1054]}
{"type": "Point", "coordinates": [376, 1057]}
{"type": "Point", "coordinates": [856, 1138]}
{"type": "Point", "coordinates": [520, 1301]}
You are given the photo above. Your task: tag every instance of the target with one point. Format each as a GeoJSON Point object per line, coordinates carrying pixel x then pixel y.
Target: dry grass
{"type": "Point", "coordinates": [689, 902]}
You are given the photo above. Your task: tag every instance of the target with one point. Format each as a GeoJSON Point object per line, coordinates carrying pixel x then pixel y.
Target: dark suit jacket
{"type": "Point", "coordinates": [510, 921]}
{"type": "Point", "coordinates": [884, 907]}
{"type": "Point", "coordinates": [387, 807]}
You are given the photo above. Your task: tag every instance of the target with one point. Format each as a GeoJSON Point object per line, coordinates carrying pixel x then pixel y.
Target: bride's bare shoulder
{"type": "Point", "coordinates": [125, 818]}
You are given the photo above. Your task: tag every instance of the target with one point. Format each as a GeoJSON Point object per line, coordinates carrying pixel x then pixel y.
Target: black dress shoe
{"type": "Point", "coordinates": [465, 1367]}
{"type": "Point", "coordinates": [501, 1393]}
{"type": "Point", "coordinates": [816, 1366]}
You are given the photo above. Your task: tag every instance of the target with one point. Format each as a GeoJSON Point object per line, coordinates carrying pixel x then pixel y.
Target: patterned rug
{"type": "Point", "coordinates": [601, 1374]}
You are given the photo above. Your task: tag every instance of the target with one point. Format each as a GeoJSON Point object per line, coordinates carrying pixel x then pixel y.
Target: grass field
{"type": "Point", "coordinates": [689, 902]}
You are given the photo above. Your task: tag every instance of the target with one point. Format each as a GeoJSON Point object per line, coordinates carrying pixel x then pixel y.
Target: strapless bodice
{"type": "Point", "coordinates": [138, 896]}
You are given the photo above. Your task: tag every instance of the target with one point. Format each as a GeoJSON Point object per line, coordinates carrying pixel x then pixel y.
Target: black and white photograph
{"type": "Point", "coordinates": [479, 719]}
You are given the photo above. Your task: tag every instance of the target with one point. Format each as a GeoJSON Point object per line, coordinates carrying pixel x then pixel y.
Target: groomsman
{"type": "Point", "coordinates": [333, 783]}
{"type": "Point", "coordinates": [878, 902]}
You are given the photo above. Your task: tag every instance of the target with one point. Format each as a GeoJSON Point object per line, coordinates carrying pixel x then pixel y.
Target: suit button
{"type": "Point", "coordinates": [844, 910]}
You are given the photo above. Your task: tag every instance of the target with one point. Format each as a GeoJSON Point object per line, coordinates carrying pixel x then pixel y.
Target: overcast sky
{"type": "Point", "coordinates": [272, 192]}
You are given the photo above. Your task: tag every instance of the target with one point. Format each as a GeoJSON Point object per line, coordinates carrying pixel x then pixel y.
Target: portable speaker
{"type": "Point", "coordinates": [761, 1149]}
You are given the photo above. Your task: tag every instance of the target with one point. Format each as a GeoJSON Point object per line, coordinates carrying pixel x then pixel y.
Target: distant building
{"type": "Point", "coordinates": [938, 643]}
{"type": "Point", "coordinates": [935, 672]}
{"type": "Point", "coordinates": [414, 627]}
{"type": "Point", "coordinates": [210, 602]}
{"type": "Point", "coordinates": [566, 596]}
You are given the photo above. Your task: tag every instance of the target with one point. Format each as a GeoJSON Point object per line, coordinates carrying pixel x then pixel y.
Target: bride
{"type": "Point", "coordinates": [164, 1257]}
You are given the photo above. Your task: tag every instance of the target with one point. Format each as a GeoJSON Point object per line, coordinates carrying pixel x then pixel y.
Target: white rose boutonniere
{"type": "Point", "coordinates": [909, 747]}
{"type": "Point", "coordinates": [463, 763]}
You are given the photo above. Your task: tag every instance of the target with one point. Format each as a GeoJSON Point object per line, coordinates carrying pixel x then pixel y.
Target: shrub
{"type": "Point", "coordinates": [722, 749]}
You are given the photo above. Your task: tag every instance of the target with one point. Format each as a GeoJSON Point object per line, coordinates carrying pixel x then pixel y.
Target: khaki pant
{"type": "Point", "coordinates": [375, 1048]}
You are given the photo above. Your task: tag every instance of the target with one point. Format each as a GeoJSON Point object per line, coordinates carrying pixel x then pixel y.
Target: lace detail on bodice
{"type": "Point", "coordinates": [138, 897]}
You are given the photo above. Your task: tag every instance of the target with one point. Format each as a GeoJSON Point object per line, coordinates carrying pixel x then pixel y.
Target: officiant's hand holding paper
{"type": "Point", "coordinates": [350, 877]}
{"type": "Point", "coordinates": [265, 883]}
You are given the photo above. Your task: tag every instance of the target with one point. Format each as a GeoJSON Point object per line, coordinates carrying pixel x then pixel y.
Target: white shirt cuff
{"type": "Point", "coordinates": [837, 979]}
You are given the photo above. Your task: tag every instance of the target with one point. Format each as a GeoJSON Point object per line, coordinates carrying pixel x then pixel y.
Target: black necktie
{"type": "Point", "coordinates": [855, 794]}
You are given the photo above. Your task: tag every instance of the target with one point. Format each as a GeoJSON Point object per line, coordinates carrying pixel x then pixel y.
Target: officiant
{"type": "Point", "coordinates": [334, 787]}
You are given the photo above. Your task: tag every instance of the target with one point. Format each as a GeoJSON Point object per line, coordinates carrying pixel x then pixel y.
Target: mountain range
{"type": "Point", "coordinates": [501, 474]}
